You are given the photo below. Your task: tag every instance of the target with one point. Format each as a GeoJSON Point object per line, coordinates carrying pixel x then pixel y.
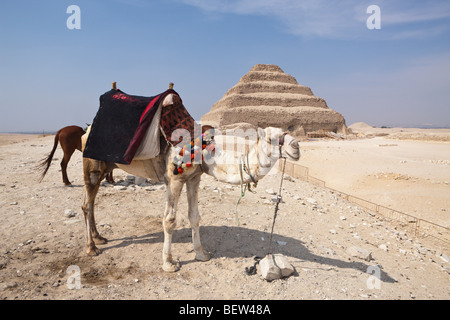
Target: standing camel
{"type": "Point", "coordinates": [249, 166]}
{"type": "Point", "coordinates": [70, 140]}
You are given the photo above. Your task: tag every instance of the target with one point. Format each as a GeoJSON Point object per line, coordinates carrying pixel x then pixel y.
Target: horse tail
{"type": "Point", "coordinates": [45, 163]}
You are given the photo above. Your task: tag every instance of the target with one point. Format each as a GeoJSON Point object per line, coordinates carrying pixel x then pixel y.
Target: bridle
{"type": "Point", "coordinates": [245, 166]}
{"type": "Point", "coordinates": [281, 143]}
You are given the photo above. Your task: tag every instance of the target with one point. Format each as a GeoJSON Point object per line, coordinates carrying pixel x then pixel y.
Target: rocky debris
{"type": "Point", "coordinates": [135, 183]}
{"type": "Point", "coordinates": [130, 266]}
{"type": "Point", "coordinates": [359, 253]}
{"type": "Point", "coordinates": [445, 258]}
{"type": "Point", "coordinates": [69, 213]}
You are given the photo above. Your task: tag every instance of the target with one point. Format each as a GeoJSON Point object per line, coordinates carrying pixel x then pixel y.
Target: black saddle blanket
{"type": "Point", "coordinates": [119, 125]}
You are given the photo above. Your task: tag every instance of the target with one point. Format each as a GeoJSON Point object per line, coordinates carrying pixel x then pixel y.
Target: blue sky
{"type": "Point", "coordinates": [51, 76]}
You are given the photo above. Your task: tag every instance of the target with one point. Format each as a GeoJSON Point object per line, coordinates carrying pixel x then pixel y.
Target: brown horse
{"type": "Point", "coordinates": [70, 140]}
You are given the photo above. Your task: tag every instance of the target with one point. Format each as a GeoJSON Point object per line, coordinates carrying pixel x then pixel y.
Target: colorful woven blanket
{"type": "Point", "coordinates": [122, 121]}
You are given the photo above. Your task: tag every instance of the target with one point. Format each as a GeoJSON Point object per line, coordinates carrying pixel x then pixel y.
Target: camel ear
{"type": "Point", "coordinates": [261, 133]}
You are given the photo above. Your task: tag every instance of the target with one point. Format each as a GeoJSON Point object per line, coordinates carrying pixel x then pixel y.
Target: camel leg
{"type": "Point", "coordinates": [169, 223]}
{"type": "Point", "coordinates": [92, 179]}
{"type": "Point", "coordinates": [192, 186]}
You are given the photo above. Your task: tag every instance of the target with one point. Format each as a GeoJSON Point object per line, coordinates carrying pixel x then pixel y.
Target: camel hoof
{"type": "Point", "coordinates": [170, 267]}
{"type": "Point", "coordinates": [203, 256]}
{"type": "Point", "coordinates": [93, 251]}
{"type": "Point", "coordinates": [100, 240]}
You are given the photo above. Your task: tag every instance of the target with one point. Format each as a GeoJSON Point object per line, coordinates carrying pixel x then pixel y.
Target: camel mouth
{"type": "Point", "coordinates": [292, 157]}
{"type": "Point", "coordinates": [292, 150]}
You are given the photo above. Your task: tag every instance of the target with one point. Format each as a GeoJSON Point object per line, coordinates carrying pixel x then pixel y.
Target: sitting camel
{"type": "Point", "coordinates": [229, 167]}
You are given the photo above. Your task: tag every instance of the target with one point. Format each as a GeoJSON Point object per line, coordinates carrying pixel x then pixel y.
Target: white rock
{"type": "Point", "coordinates": [271, 191]}
{"type": "Point", "coordinates": [360, 253]}
{"type": "Point", "coordinates": [140, 181]}
{"type": "Point", "coordinates": [333, 231]}
{"type": "Point", "coordinates": [275, 199]}
{"type": "Point", "coordinates": [70, 213]}
{"type": "Point", "coordinates": [269, 270]}
{"type": "Point", "coordinates": [383, 247]}
{"type": "Point", "coordinates": [311, 200]}
{"type": "Point", "coordinates": [119, 187]}
{"type": "Point", "coordinates": [286, 268]}
{"type": "Point", "coordinates": [275, 267]}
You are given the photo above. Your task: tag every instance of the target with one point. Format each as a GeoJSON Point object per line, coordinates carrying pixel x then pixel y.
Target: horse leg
{"type": "Point", "coordinates": [93, 173]}
{"type": "Point", "coordinates": [64, 163]}
{"type": "Point", "coordinates": [192, 186]}
{"type": "Point", "coordinates": [169, 222]}
{"type": "Point", "coordinates": [109, 177]}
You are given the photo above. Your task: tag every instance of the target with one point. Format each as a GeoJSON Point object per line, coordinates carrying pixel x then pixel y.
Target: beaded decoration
{"type": "Point", "coordinates": [190, 153]}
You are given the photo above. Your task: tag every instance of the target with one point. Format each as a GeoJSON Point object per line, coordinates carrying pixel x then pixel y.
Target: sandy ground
{"type": "Point", "coordinates": [412, 176]}
{"type": "Point", "coordinates": [43, 231]}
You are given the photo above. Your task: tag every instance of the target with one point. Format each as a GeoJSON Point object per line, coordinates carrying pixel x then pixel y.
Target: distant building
{"type": "Point", "coordinates": [266, 96]}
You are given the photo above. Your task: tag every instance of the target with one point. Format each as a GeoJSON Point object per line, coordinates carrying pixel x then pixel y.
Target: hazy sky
{"type": "Point", "coordinates": [52, 76]}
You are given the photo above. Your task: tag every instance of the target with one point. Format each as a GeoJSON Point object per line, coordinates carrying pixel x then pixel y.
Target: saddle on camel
{"type": "Point", "coordinates": [128, 127]}
{"type": "Point", "coordinates": [156, 137]}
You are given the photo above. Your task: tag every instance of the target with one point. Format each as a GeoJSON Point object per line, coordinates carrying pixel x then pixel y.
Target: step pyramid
{"type": "Point", "coordinates": [267, 96]}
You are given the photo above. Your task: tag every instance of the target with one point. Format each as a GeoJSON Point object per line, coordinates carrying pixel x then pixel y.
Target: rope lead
{"type": "Point", "coordinates": [252, 270]}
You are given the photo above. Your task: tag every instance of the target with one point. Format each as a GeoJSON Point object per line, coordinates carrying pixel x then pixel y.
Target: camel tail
{"type": "Point", "coordinates": [45, 163]}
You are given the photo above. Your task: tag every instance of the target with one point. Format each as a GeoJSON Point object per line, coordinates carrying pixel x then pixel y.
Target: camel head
{"type": "Point", "coordinates": [273, 141]}
{"type": "Point", "coordinates": [256, 150]}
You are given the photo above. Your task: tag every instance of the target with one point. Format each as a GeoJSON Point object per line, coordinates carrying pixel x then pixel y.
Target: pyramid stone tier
{"type": "Point", "coordinates": [266, 96]}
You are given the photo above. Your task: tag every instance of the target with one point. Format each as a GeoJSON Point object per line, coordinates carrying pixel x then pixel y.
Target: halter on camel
{"type": "Point", "coordinates": [244, 166]}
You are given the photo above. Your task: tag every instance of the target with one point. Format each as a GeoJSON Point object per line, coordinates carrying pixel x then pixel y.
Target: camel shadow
{"type": "Point", "coordinates": [230, 242]}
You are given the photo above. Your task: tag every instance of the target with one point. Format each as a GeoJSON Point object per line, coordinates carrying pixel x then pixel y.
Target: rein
{"type": "Point", "coordinates": [252, 269]}
{"type": "Point", "coordinates": [244, 186]}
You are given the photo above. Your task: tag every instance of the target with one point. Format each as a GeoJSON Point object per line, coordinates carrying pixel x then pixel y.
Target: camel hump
{"type": "Point", "coordinates": [84, 138]}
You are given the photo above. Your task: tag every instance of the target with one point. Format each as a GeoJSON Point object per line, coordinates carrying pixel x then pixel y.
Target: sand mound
{"type": "Point", "coordinates": [360, 126]}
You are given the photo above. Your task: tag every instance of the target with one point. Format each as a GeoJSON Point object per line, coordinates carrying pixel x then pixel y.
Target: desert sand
{"type": "Point", "coordinates": [43, 230]}
{"type": "Point", "coordinates": [403, 169]}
